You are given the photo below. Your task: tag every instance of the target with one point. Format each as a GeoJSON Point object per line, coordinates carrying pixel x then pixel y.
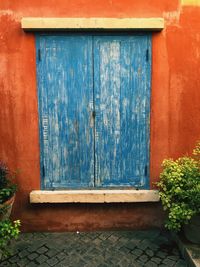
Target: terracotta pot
{"type": "Point", "coordinates": [8, 208]}
{"type": "Point", "coordinates": [192, 230]}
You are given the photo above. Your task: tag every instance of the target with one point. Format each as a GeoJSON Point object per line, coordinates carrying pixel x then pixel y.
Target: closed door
{"type": "Point", "coordinates": [94, 102]}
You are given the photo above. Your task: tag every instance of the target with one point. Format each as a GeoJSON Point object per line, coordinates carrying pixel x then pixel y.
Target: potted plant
{"type": "Point", "coordinates": [7, 191]}
{"type": "Point", "coordinates": [179, 190]}
{"type": "Point", "coordinates": [8, 229]}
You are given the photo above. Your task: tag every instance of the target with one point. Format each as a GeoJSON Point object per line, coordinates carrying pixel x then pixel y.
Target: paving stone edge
{"type": "Point", "coordinates": [186, 251]}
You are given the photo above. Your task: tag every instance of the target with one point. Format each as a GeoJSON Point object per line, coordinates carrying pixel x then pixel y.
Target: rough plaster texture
{"type": "Point", "coordinates": [190, 2]}
{"type": "Point", "coordinates": [175, 112]}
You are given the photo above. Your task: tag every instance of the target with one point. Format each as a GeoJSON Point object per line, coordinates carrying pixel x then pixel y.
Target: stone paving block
{"type": "Point", "coordinates": [42, 250]}
{"type": "Point", "coordinates": [22, 245]}
{"type": "Point", "coordinates": [131, 245]}
{"type": "Point", "coordinates": [94, 235]}
{"type": "Point", "coordinates": [32, 264]}
{"type": "Point", "coordinates": [23, 262]}
{"type": "Point", "coordinates": [104, 235]}
{"type": "Point", "coordinates": [41, 259]}
{"type": "Point", "coordinates": [133, 257]}
{"type": "Point", "coordinates": [140, 263]}
{"type": "Point", "coordinates": [14, 259]}
{"type": "Point", "coordinates": [35, 245]}
{"type": "Point", "coordinates": [174, 258]}
{"type": "Point", "coordinates": [137, 252]}
{"type": "Point", "coordinates": [169, 262]}
{"type": "Point", "coordinates": [27, 236]}
{"type": "Point", "coordinates": [52, 262]}
{"type": "Point", "coordinates": [149, 252]}
{"type": "Point", "coordinates": [64, 262]}
{"type": "Point", "coordinates": [113, 238]}
{"type": "Point", "coordinates": [88, 257]}
{"type": "Point", "coordinates": [180, 263]}
{"type": "Point", "coordinates": [46, 265]}
{"type": "Point", "coordinates": [36, 235]}
{"type": "Point", "coordinates": [60, 256]}
{"type": "Point", "coordinates": [50, 244]}
{"type": "Point", "coordinates": [125, 250]}
{"type": "Point", "coordinates": [32, 256]}
{"type": "Point", "coordinates": [23, 253]}
{"type": "Point", "coordinates": [143, 258]}
{"type": "Point", "coordinates": [156, 260]}
{"type": "Point", "coordinates": [97, 241]}
{"type": "Point", "coordinates": [152, 264]}
{"type": "Point", "coordinates": [161, 254]}
{"type": "Point", "coordinates": [51, 253]}
{"type": "Point", "coordinates": [144, 244]}
{"type": "Point", "coordinates": [154, 247]}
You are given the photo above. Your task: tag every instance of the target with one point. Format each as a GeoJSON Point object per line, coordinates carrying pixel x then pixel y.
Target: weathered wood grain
{"type": "Point", "coordinates": [122, 74]}
{"type": "Point", "coordinates": [65, 88]}
{"type": "Point", "coordinates": [94, 105]}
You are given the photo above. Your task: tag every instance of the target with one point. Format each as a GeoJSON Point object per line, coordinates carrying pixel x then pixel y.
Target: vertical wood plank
{"type": "Point", "coordinates": [122, 99]}
{"type": "Point", "coordinates": [65, 87]}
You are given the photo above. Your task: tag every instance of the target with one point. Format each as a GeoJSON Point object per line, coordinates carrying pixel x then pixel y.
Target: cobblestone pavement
{"type": "Point", "coordinates": [119, 249]}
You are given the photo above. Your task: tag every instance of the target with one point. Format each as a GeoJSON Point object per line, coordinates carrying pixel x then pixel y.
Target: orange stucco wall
{"type": "Point", "coordinates": [175, 107]}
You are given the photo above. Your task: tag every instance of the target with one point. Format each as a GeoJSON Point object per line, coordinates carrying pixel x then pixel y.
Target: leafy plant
{"type": "Point", "coordinates": [7, 188]}
{"type": "Point", "coordinates": [179, 189]}
{"type": "Point", "coordinates": [8, 231]}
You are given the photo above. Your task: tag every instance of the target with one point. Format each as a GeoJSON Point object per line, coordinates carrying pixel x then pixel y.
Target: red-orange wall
{"type": "Point", "coordinates": [175, 104]}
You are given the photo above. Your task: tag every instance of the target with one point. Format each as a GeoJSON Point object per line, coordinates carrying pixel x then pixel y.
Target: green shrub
{"type": "Point", "coordinates": [179, 189]}
{"type": "Point", "coordinates": [7, 188]}
{"type": "Point", "coordinates": [8, 231]}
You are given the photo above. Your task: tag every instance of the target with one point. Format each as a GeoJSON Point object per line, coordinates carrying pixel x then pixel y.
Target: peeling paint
{"type": "Point", "coordinates": [172, 18]}
{"type": "Point", "coordinates": [117, 139]}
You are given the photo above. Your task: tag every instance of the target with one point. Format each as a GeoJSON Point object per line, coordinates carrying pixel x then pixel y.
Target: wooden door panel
{"type": "Point", "coordinates": [122, 66]}
{"type": "Point", "coordinates": [65, 82]}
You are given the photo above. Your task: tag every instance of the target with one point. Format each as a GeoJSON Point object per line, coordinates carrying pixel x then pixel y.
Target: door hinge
{"type": "Point", "coordinates": [93, 113]}
{"type": "Point", "coordinates": [145, 170]}
{"type": "Point", "coordinates": [43, 171]}
{"type": "Point", "coordinates": [147, 55]}
{"type": "Point", "coordinates": [39, 54]}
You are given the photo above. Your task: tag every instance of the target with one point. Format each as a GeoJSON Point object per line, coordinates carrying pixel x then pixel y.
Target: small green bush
{"type": "Point", "coordinates": [179, 189]}
{"type": "Point", "coordinates": [7, 188]}
{"type": "Point", "coordinates": [8, 231]}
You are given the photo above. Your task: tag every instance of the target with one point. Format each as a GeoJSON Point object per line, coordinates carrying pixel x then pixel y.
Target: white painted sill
{"type": "Point", "coordinates": [94, 196]}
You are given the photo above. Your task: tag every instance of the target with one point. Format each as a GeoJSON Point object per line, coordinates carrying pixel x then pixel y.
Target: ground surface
{"type": "Point", "coordinates": [118, 249]}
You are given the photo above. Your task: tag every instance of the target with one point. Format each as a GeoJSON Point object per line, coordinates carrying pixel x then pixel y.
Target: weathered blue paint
{"type": "Point", "coordinates": [82, 73]}
{"type": "Point", "coordinates": [65, 87]}
{"type": "Point", "coordinates": [122, 70]}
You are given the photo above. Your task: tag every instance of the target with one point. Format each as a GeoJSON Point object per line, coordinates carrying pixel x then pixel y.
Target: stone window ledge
{"type": "Point", "coordinates": [36, 23]}
{"type": "Point", "coordinates": [94, 196]}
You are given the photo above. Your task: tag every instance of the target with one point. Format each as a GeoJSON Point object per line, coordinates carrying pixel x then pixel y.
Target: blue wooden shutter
{"type": "Point", "coordinates": [122, 71]}
{"type": "Point", "coordinates": [78, 74]}
{"type": "Point", "coordinates": [65, 88]}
